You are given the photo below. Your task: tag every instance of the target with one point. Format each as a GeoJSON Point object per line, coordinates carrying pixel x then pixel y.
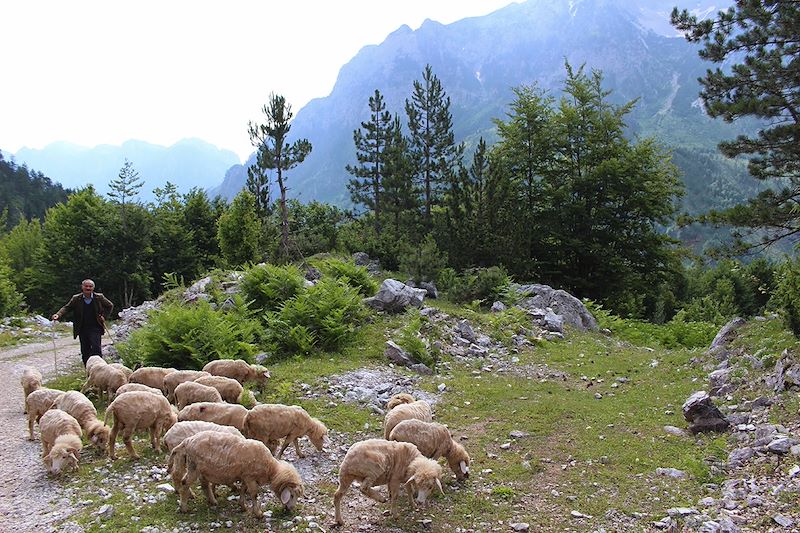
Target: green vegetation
{"type": "Point", "coordinates": [348, 273]}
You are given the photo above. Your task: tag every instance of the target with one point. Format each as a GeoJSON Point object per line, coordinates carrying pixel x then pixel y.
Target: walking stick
{"type": "Point", "coordinates": [55, 352]}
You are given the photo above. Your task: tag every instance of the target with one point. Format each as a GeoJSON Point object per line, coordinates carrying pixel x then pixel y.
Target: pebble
{"type": "Point", "coordinates": [505, 446]}
{"type": "Point", "coordinates": [520, 526]}
{"type": "Point", "coordinates": [577, 514]}
{"type": "Point", "coordinates": [794, 471]}
{"type": "Point", "coordinates": [676, 431]}
{"type": "Point", "coordinates": [671, 472]}
{"type": "Point", "coordinates": [681, 511]}
{"type": "Point", "coordinates": [783, 521]}
{"type": "Point", "coordinates": [441, 387]}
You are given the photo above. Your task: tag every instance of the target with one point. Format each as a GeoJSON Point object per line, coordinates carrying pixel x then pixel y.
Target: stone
{"type": "Point", "coordinates": [166, 487]}
{"type": "Point", "coordinates": [740, 455]}
{"type": "Point", "coordinates": [421, 368]}
{"type": "Point", "coordinates": [498, 307]}
{"type": "Point", "coordinates": [724, 337]}
{"type": "Point", "coordinates": [518, 434]}
{"type": "Point", "coordinates": [795, 450]}
{"type": "Point", "coordinates": [671, 472]}
{"type": "Point", "coordinates": [105, 512]}
{"type": "Point", "coordinates": [465, 330]}
{"type": "Point", "coordinates": [681, 511]}
{"type": "Point", "coordinates": [794, 471]}
{"type": "Point", "coordinates": [571, 310]}
{"type": "Point", "coordinates": [708, 501]}
{"type": "Point", "coordinates": [520, 526]}
{"type": "Point", "coordinates": [553, 322]}
{"type": "Point", "coordinates": [577, 514]}
{"type": "Point", "coordinates": [397, 355]}
{"type": "Point", "coordinates": [781, 445]}
{"type": "Point", "coordinates": [675, 431]}
{"type": "Point", "coordinates": [719, 379]}
{"type": "Point", "coordinates": [395, 296]}
{"type": "Point", "coordinates": [702, 415]}
{"type": "Point", "coordinates": [783, 521]}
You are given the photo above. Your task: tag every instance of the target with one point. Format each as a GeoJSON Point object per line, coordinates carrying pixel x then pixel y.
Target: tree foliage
{"type": "Point", "coordinates": [239, 231]}
{"type": "Point", "coordinates": [25, 194]}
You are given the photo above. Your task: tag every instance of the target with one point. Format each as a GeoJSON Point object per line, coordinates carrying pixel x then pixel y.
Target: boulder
{"type": "Point", "coordinates": [397, 355]}
{"type": "Point", "coordinates": [719, 346]}
{"type": "Point", "coordinates": [395, 296]}
{"type": "Point", "coordinates": [702, 414]}
{"type": "Point", "coordinates": [570, 309]}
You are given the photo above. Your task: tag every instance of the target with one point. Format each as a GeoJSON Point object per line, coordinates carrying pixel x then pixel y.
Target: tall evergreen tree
{"type": "Point", "coordinates": [275, 153]}
{"type": "Point", "coordinates": [400, 195]}
{"type": "Point", "coordinates": [200, 215]}
{"type": "Point", "coordinates": [432, 142]}
{"type": "Point", "coordinates": [239, 231]}
{"type": "Point", "coordinates": [172, 240]}
{"type": "Point", "coordinates": [757, 45]}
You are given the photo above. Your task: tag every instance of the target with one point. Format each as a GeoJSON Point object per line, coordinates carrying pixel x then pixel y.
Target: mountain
{"type": "Point", "coordinates": [187, 163]}
{"type": "Point", "coordinates": [480, 59]}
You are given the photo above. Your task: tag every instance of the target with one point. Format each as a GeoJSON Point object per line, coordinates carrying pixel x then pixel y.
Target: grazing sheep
{"type": "Point", "coordinates": [95, 360]}
{"type": "Point", "coordinates": [376, 462]}
{"type": "Point", "coordinates": [190, 392]}
{"type": "Point", "coordinates": [228, 388]}
{"type": "Point", "coordinates": [83, 410]}
{"type": "Point", "coordinates": [433, 441]}
{"type": "Point", "coordinates": [403, 407]}
{"type": "Point", "coordinates": [224, 459]}
{"type": "Point", "coordinates": [152, 376]}
{"type": "Point", "coordinates": [225, 414]}
{"type": "Point", "coordinates": [61, 440]}
{"type": "Point", "coordinates": [173, 379]}
{"type": "Point", "coordinates": [187, 428]}
{"type": "Point", "coordinates": [125, 370]}
{"type": "Point", "coordinates": [137, 411]}
{"type": "Point", "coordinates": [238, 369]}
{"type": "Point", "coordinates": [31, 380]}
{"type": "Point", "coordinates": [105, 378]}
{"type": "Point", "coordinates": [37, 403]}
{"type": "Point", "coordinates": [271, 422]}
{"type": "Point", "coordinates": [129, 387]}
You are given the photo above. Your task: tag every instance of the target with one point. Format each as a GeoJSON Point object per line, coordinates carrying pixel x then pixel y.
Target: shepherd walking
{"type": "Point", "coordinates": [90, 310]}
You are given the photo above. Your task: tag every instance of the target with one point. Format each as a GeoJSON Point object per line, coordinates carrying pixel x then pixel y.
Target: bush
{"type": "Point", "coordinates": [484, 284]}
{"type": "Point", "coordinates": [423, 261]}
{"type": "Point", "coordinates": [10, 298]}
{"type": "Point", "coordinates": [268, 286]}
{"type": "Point", "coordinates": [188, 337]}
{"type": "Point", "coordinates": [412, 342]}
{"type": "Point", "coordinates": [787, 294]}
{"type": "Point", "coordinates": [323, 317]}
{"type": "Point", "coordinates": [348, 273]}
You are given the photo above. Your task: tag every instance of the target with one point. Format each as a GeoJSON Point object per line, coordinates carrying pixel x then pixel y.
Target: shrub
{"type": "Point", "coordinates": [267, 286]}
{"type": "Point", "coordinates": [412, 342]}
{"type": "Point", "coordinates": [787, 294]}
{"type": "Point", "coordinates": [10, 298]}
{"type": "Point", "coordinates": [485, 284]}
{"type": "Point", "coordinates": [423, 261]}
{"type": "Point", "coordinates": [323, 317]}
{"type": "Point", "coordinates": [348, 273]}
{"type": "Point", "coordinates": [188, 337]}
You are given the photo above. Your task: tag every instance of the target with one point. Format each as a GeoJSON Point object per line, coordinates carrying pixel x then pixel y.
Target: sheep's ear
{"type": "Point", "coordinates": [285, 496]}
{"type": "Point", "coordinates": [267, 375]}
{"type": "Point", "coordinates": [464, 467]}
{"type": "Point", "coordinates": [74, 455]}
{"type": "Point", "coordinates": [439, 484]}
{"type": "Point", "coordinates": [411, 479]}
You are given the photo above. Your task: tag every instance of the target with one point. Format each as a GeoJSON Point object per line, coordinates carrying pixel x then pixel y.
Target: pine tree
{"type": "Point", "coordinates": [127, 184]}
{"type": "Point", "coordinates": [239, 231]}
{"type": "Point", "coordinates": [757, 45]}
{"type": "Point", "coordinates": [400, 194]}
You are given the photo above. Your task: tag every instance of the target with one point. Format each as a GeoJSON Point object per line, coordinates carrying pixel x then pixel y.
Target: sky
{"type": "Point", "coordinates": [103, 72]}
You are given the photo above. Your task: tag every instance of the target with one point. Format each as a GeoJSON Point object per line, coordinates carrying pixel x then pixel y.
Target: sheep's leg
{"type": "Point", "coordinates": [297, 447]}
{"type": "Point", "coordinates": [367, 490]}
{"type": "Point", "coordinates": [286, 442]}
{"type": "Point", "coordinates": [127, 439]}
{"type": "Point", "coordinates": [344, 484]}
{"type": "Point", "coordinates": [186, 482]}
{"type": "Point", "coordinates": [410, 492]}
{"type": "Point", "coordinates": [208, 488]}
{"type": "Point", "coordinates": [394, 488]}
{"type": "Point", "coordinates": [252, 490]}
{"type": "Point", "coordinates": [112, 439]}
{"type": "Point", "coordinates": [239, 488]}
{"type": "Point", "coordinates": [30, 426]}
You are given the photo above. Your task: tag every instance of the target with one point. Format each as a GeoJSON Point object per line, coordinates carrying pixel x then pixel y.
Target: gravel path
{"type": "Point", "coordinates": [30, 500]}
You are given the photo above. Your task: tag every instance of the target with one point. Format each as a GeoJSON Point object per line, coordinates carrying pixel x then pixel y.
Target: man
{"type": "Point", "coordinates": [89, 310]}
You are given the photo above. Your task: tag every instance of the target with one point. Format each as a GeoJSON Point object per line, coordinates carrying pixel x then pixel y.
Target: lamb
{"type": "Point", "coordinates": [152, 376]}
{"type": "Point", "coordinates": [226, 414]}
{"type": "Point", "coordinates": [61, 440]}
{"type": "Point", "coordinates": [190, 392]}
{"type": "Point", "coordinates": [136, 411]}
{"type": "Point", "coordinates": [105, 378]}
{"type": "Point", "coordinates": [94, 360]}
{"type": "Point", "coordinates": [224, 459]}
{"type": "Point", "coordinates": [38, 403]}
{"type": "Point", "coordinates": [376, 462]}
{"type": "Point", "coordinates": [31, 380]}
{"type": "Point", "coordinates": [187, 428]}
{"type": "Point", "coordinates": [125, 370]}
{"type": "Point", "coordinates": [239, 370]}
{"type": "Point", "coordinates": [271, 422]}
{"type": "Point", "coordinates": [173, 379]}
{"type": "Point", "coordinates": [83, 410]}
{"type": "Point", "coordinates": [128, 387]}
{"type": "Point", "coordinates": [229, 389]}
{"type": "Point", "coordinates": [403, 407]}
{"type": "Point", "coordinates": [433, 441]}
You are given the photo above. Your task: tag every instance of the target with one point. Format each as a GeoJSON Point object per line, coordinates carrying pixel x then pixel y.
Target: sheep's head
{"type": "Point", "coordinates": [261, 374]}
{"type": "Point", "coordinates": [318, 433]}
{"type": "Point", "coordinates": [170, 419]}
{"type": "Point", "coordinates": [98, 435]}
{"type": "Point", "coordinates": [426, 477]}
{"type": "Point", "coordinates": [60, 459]}
{"type": "Point", "coordinates": [287, 485]}
{"type": "Point", "coordinates": [458, 459]}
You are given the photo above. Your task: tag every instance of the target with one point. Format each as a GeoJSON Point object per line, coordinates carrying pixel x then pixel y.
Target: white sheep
{"type": "Point", "coordinates": [125, 370]}
{"type": "Point", "coordinates": [271, 422]}
{"type": "Point", "coordinates": [226, 414]}
{"type": "Point", "coordinates": [403, 407]}
{"type": "Point", "coordinates": [173, 379]}
{"type": "Point", "coordinates": [377, 462]}
{"type": "Point", "coordinates": [105, 378]}
{"type": "Point", "coordinates": [136, 411]}
{"type": "Point", "coordinates": [223, 459]}
{"type": "Point", "coordinates": [238, 369]}
{"type": "Point", "coordinates": [31, 380]}
{"type": "Point", "coordinates": [190, 392]}
{"type": "Point", "coordinates": [187, 428]}
{"type": "Point", "coordinates": [433, 441]}
{"type": "Point", "coordinates": [229, 389]}
{"type": "Point", "coordinates": [83, 410]}
{"type": "Point", "coordinates": [152, 376]}
{"type": "Point", "coordinates": [38, 403]}
{"type": "Point", "coordinates": [61, 440]}
{"type": "Point", "coordinates": [94, 360]}
{"type": "Point", "coordinates": [129, 387]}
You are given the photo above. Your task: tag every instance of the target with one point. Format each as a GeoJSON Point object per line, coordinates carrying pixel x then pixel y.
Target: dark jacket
{"type": "Point", "coordinates": [101, 304]}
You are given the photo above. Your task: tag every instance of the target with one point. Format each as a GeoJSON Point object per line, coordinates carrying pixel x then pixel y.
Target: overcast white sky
{"type": "Point", "coordinates": [102, 72]}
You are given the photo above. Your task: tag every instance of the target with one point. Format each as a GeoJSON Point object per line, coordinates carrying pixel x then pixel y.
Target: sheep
{"type": "Point", "coordinates": [226, 414]}
{"type": "Point", "coordinates": [31, 380]}
{"type": "Point", "coordinates": [37, 403]}
{"type": "Point", "coordinates": [128, 387]}
{"type": "Point", "coordinates": [173, 379]}
{"type": "Point", "coordinates": [187, 428]}
{"type": "Point", "coordinates": [224, 459]}
{"type": "Point", "coordinates": [239, 370]}
{"type": "Point", "coordinates": [105, 378]}
{"type": "Point", "coordinates": [94, 360]}
{"type": "Point", "coordinates": [61, 440]}
{"type": "Point", "coordinates": [190, 392]}
{"type": "Point", "coordinates": [229, 389]}
{"type": "Point", "coordinates": [136, 411]}
{"type": "Point", "coordinates": [376, 462]}
{"type": "Point", "coordinates": [83, 410]}
{"type": "Point", "coordinates": [271, 422]}
{"type": "Point", "coordinates": [403, 407]}
{"type": "Point", "coordinates": [152, 376]}
{"type": "Point", "coordinates": [125, 370]}
{"type": "Point", "coordinates": [433, 441]}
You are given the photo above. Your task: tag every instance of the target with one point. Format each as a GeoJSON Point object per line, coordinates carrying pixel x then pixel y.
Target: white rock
{"type": "Point", "coordinates": [166, 487]}
{"type": "Point", "coordinates": [577, 514]}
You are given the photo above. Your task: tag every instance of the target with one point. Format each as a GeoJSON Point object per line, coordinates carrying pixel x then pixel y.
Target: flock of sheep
{"type": "Point", "coordinates": [216, 441]}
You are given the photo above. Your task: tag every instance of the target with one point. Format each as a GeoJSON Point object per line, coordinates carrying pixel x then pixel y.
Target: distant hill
{"type": "Point", "coordinates": [26, 193]}
{"type": "Point", "coordinates": [187, 163]}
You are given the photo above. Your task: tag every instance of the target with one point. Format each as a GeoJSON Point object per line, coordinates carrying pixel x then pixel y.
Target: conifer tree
{"type": "Point", "coordinates": [400, 195]}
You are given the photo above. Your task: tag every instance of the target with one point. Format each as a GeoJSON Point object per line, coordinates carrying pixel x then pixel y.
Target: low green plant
{"type": "Point", "coordinates": [423, 261]}
{"type": "Point", "coordinates": [267, 286]}
{"type": "Point", "coordinates": [349, 273]}
{"type": "Point", "coordinates": [412, 342]}
{"type": "Point", "coordinates": [484, 284]}
{"type": "Point", "coordinates": [10, 297]}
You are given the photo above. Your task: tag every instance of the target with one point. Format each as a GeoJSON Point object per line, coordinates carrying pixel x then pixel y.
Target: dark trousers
{"type": "Point", "coordinates": [90, 343]}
